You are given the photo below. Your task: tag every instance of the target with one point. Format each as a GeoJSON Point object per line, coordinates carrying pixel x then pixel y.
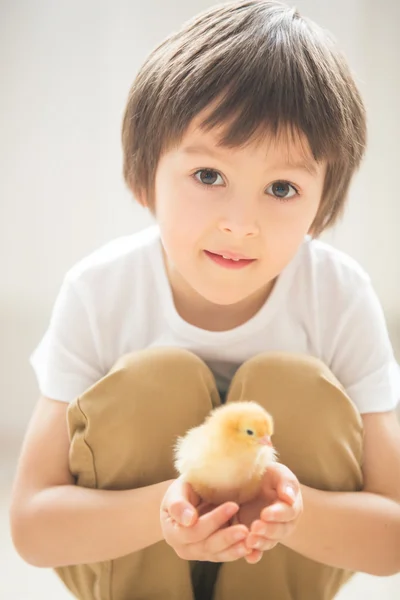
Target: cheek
{"type": "Point", "coordinates": [179, 228]}
{"type": "Point", "coordinates": [182, 214]}
{"type": "Point", "coordinates": [286, 222]}
{"type": "Point", "coordinates": [284, 229]}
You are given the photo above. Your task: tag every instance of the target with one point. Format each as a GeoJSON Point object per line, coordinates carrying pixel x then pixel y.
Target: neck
{"type": "Point", "coordinates": [198, 311]}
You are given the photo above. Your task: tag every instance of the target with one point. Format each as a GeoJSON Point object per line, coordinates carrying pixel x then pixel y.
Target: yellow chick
{"type": "Point", "coordinates": [225, 458]}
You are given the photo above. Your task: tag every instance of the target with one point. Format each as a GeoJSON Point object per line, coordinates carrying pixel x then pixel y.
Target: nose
{"type": "Point", "coordinates": [239, 219]}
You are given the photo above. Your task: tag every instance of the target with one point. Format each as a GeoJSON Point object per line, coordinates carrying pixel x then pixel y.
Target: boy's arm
{"type": "Point", "coordinates": [56, 523]}
{"type": "Point", "coordinates": [359, 531]}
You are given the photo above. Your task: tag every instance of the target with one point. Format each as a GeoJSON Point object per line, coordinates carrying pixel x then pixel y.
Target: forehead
{"type": "Point", "coordinates": [288, 148]}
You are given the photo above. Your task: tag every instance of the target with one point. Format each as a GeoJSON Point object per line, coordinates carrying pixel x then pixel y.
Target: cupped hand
{"type": "Point", "coordinates": [274, 514]}
{"type": "Point", "coordinates": [197, 532]}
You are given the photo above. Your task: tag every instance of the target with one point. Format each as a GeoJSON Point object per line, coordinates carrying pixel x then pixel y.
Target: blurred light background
{"type": "Point", "coordinates": [65, 71]}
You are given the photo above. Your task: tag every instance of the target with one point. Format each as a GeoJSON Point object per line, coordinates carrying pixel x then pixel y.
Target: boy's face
{"type": "Point", "coordinates": [245, 203]}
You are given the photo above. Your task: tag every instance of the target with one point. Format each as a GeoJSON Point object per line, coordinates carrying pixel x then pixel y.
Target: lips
{"type": "Point", "coordinates": [231, 255]}
{"type": "Point", "coordinates": [229, 260]}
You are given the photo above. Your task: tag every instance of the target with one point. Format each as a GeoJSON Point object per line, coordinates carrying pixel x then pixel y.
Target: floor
{"type": "Point", "coordinates": [20, 581]}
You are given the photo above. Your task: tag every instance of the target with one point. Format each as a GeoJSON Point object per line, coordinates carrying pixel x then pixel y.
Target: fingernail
{"type": "Point", "coordinates": [239, 535]}
{"type": "Point", "coordinates": [242, 551]}
{"type": "Point", "coordinates": [272, 512]}
{"type": "Point", "coordinates": [187, 516]}
{"type": "Point", "coordinates": [289, 491]}
{"type": "Point", "coordinates": [231, 510]}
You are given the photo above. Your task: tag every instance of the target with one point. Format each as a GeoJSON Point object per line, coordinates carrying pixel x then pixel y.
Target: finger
{"type": "Point", "coordinates": [179, 503]}
{"type": "Point", "coordinates": [231, 554]}
{"type": "Point", "coordinates": [178, 490]}
{"type": "Point", "coordinates": [288, 492]}
{"type": "Point", "coordinates": [261, 544]}
{"type": "Point", "coordinates": [223, 539]}
{"type": "Point", "coordinates": [279, 512]}
{"type": "Point", "coordinates": [270, 531]}
{"type": "Point", "coordinates": [284, 482]}
{"type": "Point", "coordinates": [182, 513]}
{"type": "Point", "coordinates": [205, 507]}
{"type": "Point", "coordinates": [207, 524]}
{"type": "Point", "coordinates": [254, 557]}
{"type": "Point", "coordinates": [288, 487]}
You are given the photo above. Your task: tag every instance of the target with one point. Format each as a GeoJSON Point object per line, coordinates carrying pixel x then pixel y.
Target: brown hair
{"type": "Point", "coordinates": [271, 70]}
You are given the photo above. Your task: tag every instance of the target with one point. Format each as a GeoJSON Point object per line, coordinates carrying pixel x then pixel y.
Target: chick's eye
{"type": "Point", "coordinates": [249, 432]}
{"type": "Point", "coordinates": [209, 177]}
{"type": "Point", "coordinates": [281, 190]}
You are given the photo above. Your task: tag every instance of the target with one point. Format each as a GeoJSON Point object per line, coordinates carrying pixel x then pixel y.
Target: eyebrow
{"type": "Point", "coordinates": [295, 165]}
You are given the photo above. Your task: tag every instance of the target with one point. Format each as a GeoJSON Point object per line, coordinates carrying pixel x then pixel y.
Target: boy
{"type": "Point", "coordinates": [241, 135]}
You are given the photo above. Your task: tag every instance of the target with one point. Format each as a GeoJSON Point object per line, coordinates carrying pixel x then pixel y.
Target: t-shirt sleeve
{"type": "Point", "coordinates": [362, 355]}
{"type": "Point", "coordinates": [66, 361]}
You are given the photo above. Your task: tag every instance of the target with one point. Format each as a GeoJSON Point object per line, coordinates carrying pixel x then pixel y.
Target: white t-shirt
{"type": "Point", "coordinates": [118, 300]}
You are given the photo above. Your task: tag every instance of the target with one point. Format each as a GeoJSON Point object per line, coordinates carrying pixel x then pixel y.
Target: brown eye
{"type": "Point", "coordinates": [281, 190]}
{"type": "Point", "coordinates": [208, 177]}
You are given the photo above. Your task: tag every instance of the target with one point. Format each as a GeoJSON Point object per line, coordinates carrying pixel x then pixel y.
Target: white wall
{"type": "Point", "coordinates": [66, 70]}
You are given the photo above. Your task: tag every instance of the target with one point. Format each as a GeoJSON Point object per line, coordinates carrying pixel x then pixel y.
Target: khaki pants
{"type": "Point", "coordinates": [122, 433]}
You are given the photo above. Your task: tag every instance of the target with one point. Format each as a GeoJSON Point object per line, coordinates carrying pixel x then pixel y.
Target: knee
{"type": "Point", "coordinates": [302, 380]}
{"type": "Point", "coordinates": [159, 361]}
{"type": "Point", "coordinates": [282, 364]}
{"type": "Point", "coordinates": [177, 368]}
{"type": "Point", "coordinates": [318, 429]}
{"type": "Point", "coordinates": [137, 410]}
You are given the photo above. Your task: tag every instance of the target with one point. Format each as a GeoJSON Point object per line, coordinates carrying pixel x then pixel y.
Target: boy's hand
{"type": "Point", "coordinates": [275, 513]}
{"type": "Point", "coordinates": [195, 536]}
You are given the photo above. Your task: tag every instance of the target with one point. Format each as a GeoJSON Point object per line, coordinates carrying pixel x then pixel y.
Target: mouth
{"type": "Point", "coordinates": [265, 441]}
{"type": "Point", "coordinates": [229, 260]}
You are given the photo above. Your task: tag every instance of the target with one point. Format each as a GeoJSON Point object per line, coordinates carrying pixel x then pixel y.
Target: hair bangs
{"type": "Point", "coordinates": [276, 101]}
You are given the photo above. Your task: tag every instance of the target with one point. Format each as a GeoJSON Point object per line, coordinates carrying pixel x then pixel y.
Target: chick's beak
{"type": "Point", "coordinates": [265, 440]}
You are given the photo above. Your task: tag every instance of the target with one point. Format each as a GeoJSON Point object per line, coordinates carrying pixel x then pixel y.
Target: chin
{"type": "Point", "coordinates": [223, 297]}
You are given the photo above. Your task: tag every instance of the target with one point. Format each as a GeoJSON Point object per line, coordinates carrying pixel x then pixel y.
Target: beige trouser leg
{"type": "Point", "coordinates": [319, 436]}
{"type": "Point", "coordinates": [122, 433]}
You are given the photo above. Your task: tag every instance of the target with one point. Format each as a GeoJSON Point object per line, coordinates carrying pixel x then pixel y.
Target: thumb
{"type": "Point", "coordinates": [180, 503]}
{"type": "Point", "coordinates": [287, 492]}
{"type": "Point", "coordinates": [286, 484]}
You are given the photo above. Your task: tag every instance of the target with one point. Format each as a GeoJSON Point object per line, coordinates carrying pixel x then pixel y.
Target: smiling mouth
{"type": "Point", "coordinates": [229, 262]}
